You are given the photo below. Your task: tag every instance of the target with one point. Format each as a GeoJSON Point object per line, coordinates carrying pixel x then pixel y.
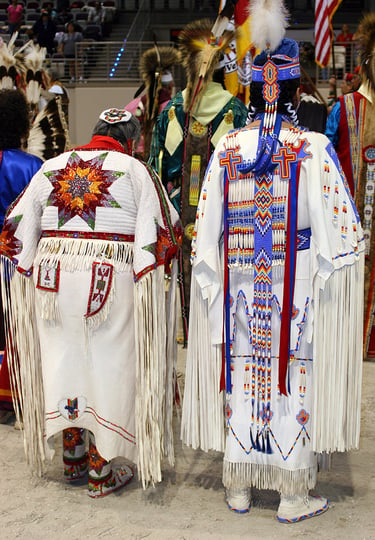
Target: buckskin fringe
{"type": "Point", "coordinates": [171, 373]}
{"type": "Point", "coordinates": [202, 423]}
{"type": "Point", "coordinates": [242, 475]}
{"type": "Point", "coordinates": [79, 254]}
{"type": "Point", "coordinates": [150, 339]}
{"type": "Point", "coordinates": [338, 334]}
{"type": "Point", "coordinates": [24, 359]}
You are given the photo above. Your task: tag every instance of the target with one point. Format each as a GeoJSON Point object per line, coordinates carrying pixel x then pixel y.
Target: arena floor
{"type": "Point", "coordinates": [189, 503]}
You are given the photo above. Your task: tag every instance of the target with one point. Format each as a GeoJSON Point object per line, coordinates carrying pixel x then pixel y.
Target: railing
{"type": "Point", "coordinates": [106, 61]}
{"type": "Point", "coordinates": [345, 61]}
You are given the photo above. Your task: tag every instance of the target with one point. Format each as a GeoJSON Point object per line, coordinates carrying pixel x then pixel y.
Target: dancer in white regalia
{"type": "Point", "coordinates": [84, 252]}
{"type": "Point", "coordinates": [276, 300]}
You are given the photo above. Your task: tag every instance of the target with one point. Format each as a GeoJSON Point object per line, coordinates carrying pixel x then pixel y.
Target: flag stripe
{"type": "Point", "coordinates": [324, 11]}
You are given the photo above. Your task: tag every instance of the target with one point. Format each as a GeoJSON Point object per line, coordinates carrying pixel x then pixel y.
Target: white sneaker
{"type": "Point", "coordinates": [238, 500]}
{"type": "Point", "coordinates": [298, 507]}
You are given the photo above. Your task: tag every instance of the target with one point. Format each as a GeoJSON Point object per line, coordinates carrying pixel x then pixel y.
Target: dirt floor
{"type": "Point", "coordinates": [189, 503]}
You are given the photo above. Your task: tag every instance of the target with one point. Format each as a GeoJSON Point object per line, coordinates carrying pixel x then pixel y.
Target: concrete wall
{"type": "Point", "coordinates": [86, 104]}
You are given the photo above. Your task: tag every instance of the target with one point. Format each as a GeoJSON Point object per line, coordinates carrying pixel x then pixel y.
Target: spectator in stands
{"type": "Point", "coordinates": [63, 17]}
{"type": "Point", "coordinates": [15, 14]}
{"type": "Point", "coordinates": [344, 38]}
{"type": "Point", "coordinates": [347, 84]}
{"type": "Point", "coordinates": [97, 16]}
{"type": "Point", "coordinates": [51, 10]}
{"type": "Point", "coordinates": [44, 31]}
{"type": "Point", "coordinates": [68, 48]}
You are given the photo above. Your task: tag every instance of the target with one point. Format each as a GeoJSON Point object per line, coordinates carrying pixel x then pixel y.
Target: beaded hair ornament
{"type": "Point", "coordinates": [277, 61]}
{"type": "Point", "coordinates": [117, 116]}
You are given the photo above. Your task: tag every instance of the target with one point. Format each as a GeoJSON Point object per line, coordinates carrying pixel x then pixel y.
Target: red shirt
{"type": "Point", "coordinates": [14, 13]}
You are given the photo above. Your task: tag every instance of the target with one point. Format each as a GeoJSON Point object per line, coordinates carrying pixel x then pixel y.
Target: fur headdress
{"type": "Point", "coordinates": [200, 53]}
{"type": "Point", "coordinates": [366, 38]}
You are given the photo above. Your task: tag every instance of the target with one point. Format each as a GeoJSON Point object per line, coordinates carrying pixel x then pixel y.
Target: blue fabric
{"type": "Point", "coordinates": [332, 126]}
{"type": "Point", "coordinates": [287, 52]}
{"type": "Point", "coordinates": [16, 170]}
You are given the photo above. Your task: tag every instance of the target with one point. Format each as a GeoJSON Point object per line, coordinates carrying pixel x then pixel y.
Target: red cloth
{"type": "Point", "coordinates": [371, 347]}
{"type": "Point", "coordinates": [5, 391]}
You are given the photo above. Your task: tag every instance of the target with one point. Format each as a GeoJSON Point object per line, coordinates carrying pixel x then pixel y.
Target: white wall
{"type": "Point", "coordinates": [86, 104]}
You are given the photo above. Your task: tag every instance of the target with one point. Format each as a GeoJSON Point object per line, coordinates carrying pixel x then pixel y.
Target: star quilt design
{"type": "Point", "coordinates": [9, 244]}
{"type": "Point", "coordinates": [80, 188]}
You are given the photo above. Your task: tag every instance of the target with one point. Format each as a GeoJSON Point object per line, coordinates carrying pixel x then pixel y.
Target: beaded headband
{"type": "Point", "coordinates": [290, 71]}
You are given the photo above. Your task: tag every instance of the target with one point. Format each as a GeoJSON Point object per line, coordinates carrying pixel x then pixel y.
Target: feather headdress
{"type": "Point", "coordinates": [153, 63]}
{"type": "Point", "coordinates": [366, 39]}
{"type": "Point", "coordinates": [10, 63]}
{"type": "Point", "coordinates": [200, 53]}
{"type": "Point", "coordinates": [33, 61]}
{"type": "Point", "coordinates": [49, 134]}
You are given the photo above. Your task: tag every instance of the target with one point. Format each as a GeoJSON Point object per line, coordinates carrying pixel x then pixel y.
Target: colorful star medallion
{"type": "Point", "coordinates": [80, 188]}
{"type": "Point", "coordinates": [9, 244]}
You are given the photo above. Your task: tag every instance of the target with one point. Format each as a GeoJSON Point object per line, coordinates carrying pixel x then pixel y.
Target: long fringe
{"type": "Point", "coordinates": [24, 361]}
{"type": "Point", "coordinates": [171, 373]}
{"type": "Point", "coordinates": [151, 373]}
{"type": "Point", "coordinates": [338, 331]}
{"type": "Point", "coordinates": [78, 254]}
{"type": "Point", "coordinates": [242, 475]}
{"type": "Point", "coordinates": [202, 423]}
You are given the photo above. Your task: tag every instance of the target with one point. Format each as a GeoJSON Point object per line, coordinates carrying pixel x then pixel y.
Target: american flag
{"type": "Point", "coordinates": [324, 11]}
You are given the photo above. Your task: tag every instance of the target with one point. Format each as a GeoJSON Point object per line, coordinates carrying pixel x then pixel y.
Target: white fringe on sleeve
{"type": "Point", "coordinates": [202, 423]}
{"type": "Point", "coordinates": [338, 336]}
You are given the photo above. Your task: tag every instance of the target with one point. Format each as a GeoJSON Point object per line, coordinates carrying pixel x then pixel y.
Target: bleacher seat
{"type": "Point", "coordinates": [81, 17]}
{"type": "Point", "coordinates": [92, 31]}
{"type": "Point", "coordinates": [77, 4]}
{"type": "Point", "coordinates": [32, 5]}
{"type": "Point", "coordinates": [31, 18]}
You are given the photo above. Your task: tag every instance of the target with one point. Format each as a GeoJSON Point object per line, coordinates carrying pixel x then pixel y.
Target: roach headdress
{"type": "Point", "coordinates": [366, 38]}
{"type": "Point", "coordinates": [154, 63]}
{"type": "Point", "coordinates": [200, 54]}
